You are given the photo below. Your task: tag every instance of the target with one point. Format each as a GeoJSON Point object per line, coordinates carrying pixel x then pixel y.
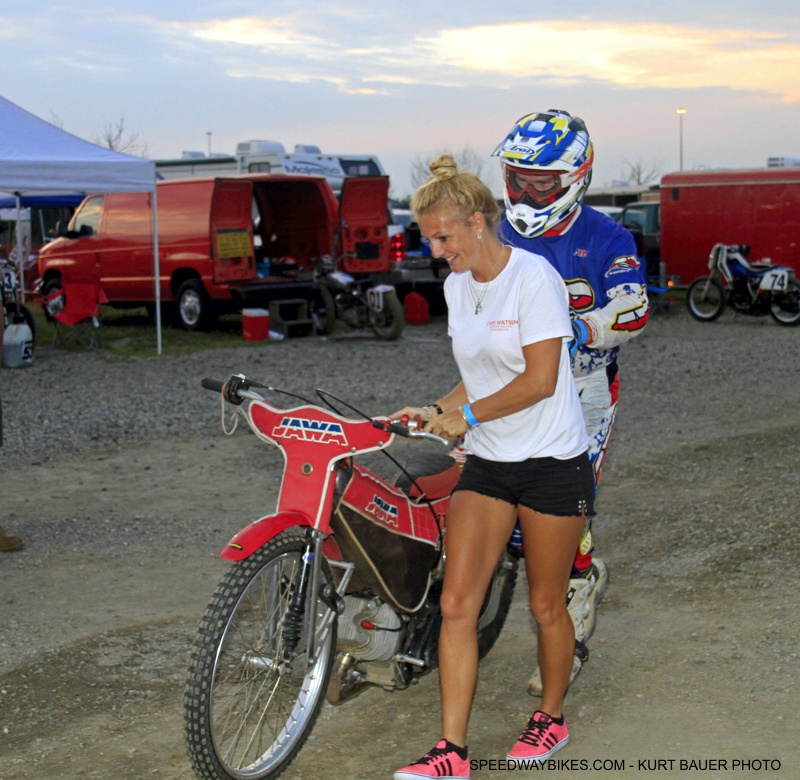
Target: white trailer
{"type": "Point", "coordinates": [272, 157]}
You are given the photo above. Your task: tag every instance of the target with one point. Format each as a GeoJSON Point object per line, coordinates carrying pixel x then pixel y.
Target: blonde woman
{"type": "Point", "coordinates": [518, 409]}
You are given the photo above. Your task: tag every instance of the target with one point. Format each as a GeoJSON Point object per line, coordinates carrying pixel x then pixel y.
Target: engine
{"type": "Point", "coordinates": [369, 629]}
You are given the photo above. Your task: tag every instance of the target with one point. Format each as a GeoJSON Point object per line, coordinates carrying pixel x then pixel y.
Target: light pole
{"type": "Point", "coordinates": [680, 112]}
{"type": "Point", "coordinates": [209, 142]}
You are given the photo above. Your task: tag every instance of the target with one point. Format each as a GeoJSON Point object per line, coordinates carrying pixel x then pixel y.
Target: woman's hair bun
{"type": "Point", "coordinates": [444, 167]}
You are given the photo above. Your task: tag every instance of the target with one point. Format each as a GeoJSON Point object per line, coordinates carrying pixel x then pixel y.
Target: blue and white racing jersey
{"type": "Point", "coordinates": [597, 259]}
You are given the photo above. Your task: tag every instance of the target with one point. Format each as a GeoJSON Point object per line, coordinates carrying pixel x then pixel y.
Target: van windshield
{"type": "Point", "coordinates": [88, 216]}
{"type": "Point", "coordinates": [634, 218]}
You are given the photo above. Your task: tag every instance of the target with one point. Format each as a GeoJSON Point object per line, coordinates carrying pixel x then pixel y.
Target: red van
{"type": "Point", "coordinates": [224, 243]}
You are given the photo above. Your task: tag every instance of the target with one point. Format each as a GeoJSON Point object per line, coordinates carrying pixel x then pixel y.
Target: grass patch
{"type": "Point", "coordinates": [131, 333]}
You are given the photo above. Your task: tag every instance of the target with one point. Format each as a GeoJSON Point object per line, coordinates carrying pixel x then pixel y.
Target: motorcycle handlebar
{"type": "Point", "coordinates": [237, 389]}
{"type": "Point", "coordinates": [216, 385]}
{"type": "Point", "coordinates": [234, 391]}
{"type": "Point", "coordinates": [409, 431]}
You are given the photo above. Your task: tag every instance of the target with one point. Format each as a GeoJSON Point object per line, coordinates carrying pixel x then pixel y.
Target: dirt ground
{"type": "Point", "coordinates": [695, 657]}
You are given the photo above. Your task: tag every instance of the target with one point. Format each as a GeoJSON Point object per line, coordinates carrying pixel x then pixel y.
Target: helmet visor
{"type": "Point", "coordinates": [534, 188]}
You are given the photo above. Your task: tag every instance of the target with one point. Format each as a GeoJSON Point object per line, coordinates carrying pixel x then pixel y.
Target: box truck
{"type": "Point", "coordinates": [756, 207]}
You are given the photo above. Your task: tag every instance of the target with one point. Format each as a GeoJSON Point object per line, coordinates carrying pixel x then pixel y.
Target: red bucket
{"type": "Point", "coordinates": [417, 310]}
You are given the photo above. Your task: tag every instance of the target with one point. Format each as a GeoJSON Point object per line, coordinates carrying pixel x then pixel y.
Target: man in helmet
{"type": "Point", "coordinates": [547, 166]}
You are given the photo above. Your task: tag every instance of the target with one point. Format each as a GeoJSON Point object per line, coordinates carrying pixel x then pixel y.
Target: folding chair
{"type": "Point", "coordinates": [75, 310]}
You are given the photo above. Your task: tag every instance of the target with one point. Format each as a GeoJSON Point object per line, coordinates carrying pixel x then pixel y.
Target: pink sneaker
{"type": "Point", "coordinates": [442, 762]}
{"type": "Point", "coordinates": [540, 739]}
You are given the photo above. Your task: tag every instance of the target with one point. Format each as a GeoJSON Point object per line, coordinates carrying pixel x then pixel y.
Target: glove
{"type": "Point", "coordinates": [580, 335]}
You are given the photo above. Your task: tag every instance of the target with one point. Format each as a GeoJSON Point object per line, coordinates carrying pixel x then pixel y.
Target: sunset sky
{"type": "Point", "coordinates": [406, 80]}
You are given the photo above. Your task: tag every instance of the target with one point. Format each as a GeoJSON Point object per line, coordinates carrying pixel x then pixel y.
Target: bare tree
{"type": "Point", "coordinates": [116, 138]}
{"type": "Point", "coordinates": [467, 160]}
{"type": "Point", "coordinates": [641, 172]}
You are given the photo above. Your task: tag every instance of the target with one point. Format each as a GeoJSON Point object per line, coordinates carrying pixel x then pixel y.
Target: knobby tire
{"type": "Point", "coordinates": [705, 299]}
{"type": "Point", "coordinates": [247, 714]}
{"type": "Point", "coordinates": [785, 307]}
{"type": "Point", "coordinates": [388, 324]}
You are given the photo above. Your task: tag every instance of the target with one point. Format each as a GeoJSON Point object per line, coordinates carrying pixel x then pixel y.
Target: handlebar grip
{"type": "Point", "coordinates": [391, 427]}
{"type": "Point", "coordinates": [217, 385]}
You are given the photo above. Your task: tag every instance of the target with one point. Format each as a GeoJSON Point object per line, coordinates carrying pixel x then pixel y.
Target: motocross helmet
{"type": "Point", "coordinates": [547, 166]}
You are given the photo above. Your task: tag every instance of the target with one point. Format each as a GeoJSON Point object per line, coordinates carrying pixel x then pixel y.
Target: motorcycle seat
{"type": "Point", "coordinates": [429, 476]}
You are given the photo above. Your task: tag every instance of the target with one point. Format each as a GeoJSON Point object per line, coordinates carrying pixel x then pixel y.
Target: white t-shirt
{"type": "Point", "coordinates": [525, 303]}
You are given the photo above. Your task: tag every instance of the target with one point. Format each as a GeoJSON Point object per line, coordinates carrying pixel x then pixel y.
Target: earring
{"type": "Point", "coordinates": [480, 235]}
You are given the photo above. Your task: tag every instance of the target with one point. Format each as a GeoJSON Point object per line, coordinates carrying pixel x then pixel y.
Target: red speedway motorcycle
{"type": "Point", "coordinates": [336, 590]}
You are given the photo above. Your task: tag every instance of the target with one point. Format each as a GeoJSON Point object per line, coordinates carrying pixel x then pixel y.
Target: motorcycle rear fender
{"type": "Point", "coordinates": [260, 532]}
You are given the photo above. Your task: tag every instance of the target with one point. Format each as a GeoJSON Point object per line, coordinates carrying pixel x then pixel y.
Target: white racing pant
{"type": "Point", "coordinates": [599, 409]}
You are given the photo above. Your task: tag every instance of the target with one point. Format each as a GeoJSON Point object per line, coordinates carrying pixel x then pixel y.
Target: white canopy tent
{"type": "Point", "coordinates": [38, 158]}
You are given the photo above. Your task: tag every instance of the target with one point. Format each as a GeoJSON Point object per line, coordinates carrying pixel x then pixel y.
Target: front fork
{"type": "Point", "coordinates": [311, 585]}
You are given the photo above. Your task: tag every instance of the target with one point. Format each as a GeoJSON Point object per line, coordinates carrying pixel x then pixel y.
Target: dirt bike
{"type": "Point", "coordinates": [748, 288]}
{"type": "Point", "coordinates": [360, 304]}
{"type": "Point", "coordinates": [337, 590]}
{"type": "Point", "coordinates": [10, 294]}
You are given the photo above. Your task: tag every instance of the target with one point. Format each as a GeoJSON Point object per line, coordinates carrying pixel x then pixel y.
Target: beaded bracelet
{"type": "Point", "coordinates": [437, 408]}
{"type": "Point", "coordinates": [427, 411]}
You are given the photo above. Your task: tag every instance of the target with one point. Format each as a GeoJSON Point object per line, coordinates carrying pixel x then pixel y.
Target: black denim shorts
{"type": "Point", "coordinates": [546, 485]}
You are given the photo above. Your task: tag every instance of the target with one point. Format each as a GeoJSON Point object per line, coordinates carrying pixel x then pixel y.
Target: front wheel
{"type": "Point", "coordinates": [388, 322]}
{"type": "Point", "coordinates": [193, 306]}
{"type": "Point", "coordinates": [705, 299]}
{"type": "Point", "coordinates": [785, 305]}
{"type": "Point", "coordinates": [251, 699]}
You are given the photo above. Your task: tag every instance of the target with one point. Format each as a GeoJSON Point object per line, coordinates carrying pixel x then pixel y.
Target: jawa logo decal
{"type": "Point", "coordinates": [383, 511]}
{"type": "Point", "coordinates": [310, 430]}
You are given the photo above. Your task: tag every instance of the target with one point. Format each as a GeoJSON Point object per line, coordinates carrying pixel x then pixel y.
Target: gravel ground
{"type": "Point", "coordinates": [116, 474]}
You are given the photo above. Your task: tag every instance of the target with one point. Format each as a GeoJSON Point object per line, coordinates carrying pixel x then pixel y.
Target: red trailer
{"type": "Point", "coordinates": [758, 207]}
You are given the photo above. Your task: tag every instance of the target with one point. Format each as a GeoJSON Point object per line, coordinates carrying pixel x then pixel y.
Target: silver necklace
{"type": "Point", "coordinates": [479, 298]}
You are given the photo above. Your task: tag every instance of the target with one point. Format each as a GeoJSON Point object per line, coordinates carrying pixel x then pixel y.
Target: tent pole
{"type": "Point", "coordinates": [20, 272]}
{"type": "Point", "coordinates": [157, 266]}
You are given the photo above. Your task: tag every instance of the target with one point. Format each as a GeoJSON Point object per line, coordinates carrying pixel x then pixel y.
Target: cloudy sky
{"type": "Point", "coordinates": [404, 80]}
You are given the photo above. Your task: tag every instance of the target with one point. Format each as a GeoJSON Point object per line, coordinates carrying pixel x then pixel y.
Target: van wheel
{"type": "Point", "coordinates": [50, 286]}
{"type": "Point", "coordinates": [193, 306]}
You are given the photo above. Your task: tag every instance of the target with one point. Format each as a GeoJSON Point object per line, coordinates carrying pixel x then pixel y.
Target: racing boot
{"type": "Point", "coordinates": [586, 589]}
{"type": "Point", "coordinates": [578, 660]}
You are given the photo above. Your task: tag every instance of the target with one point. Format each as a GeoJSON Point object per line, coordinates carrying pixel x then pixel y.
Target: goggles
{"type": "Point", "coordinates": [539, 187]}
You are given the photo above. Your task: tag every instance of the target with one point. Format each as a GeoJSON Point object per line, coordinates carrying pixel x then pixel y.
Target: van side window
{"type": "Point", "coordinates": [87, 220]}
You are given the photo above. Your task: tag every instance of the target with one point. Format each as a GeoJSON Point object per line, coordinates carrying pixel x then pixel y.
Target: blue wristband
{"type": "Point", "coordinates": [580, 336]}
{"type": "Point", "coordinates": [469, 416]}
